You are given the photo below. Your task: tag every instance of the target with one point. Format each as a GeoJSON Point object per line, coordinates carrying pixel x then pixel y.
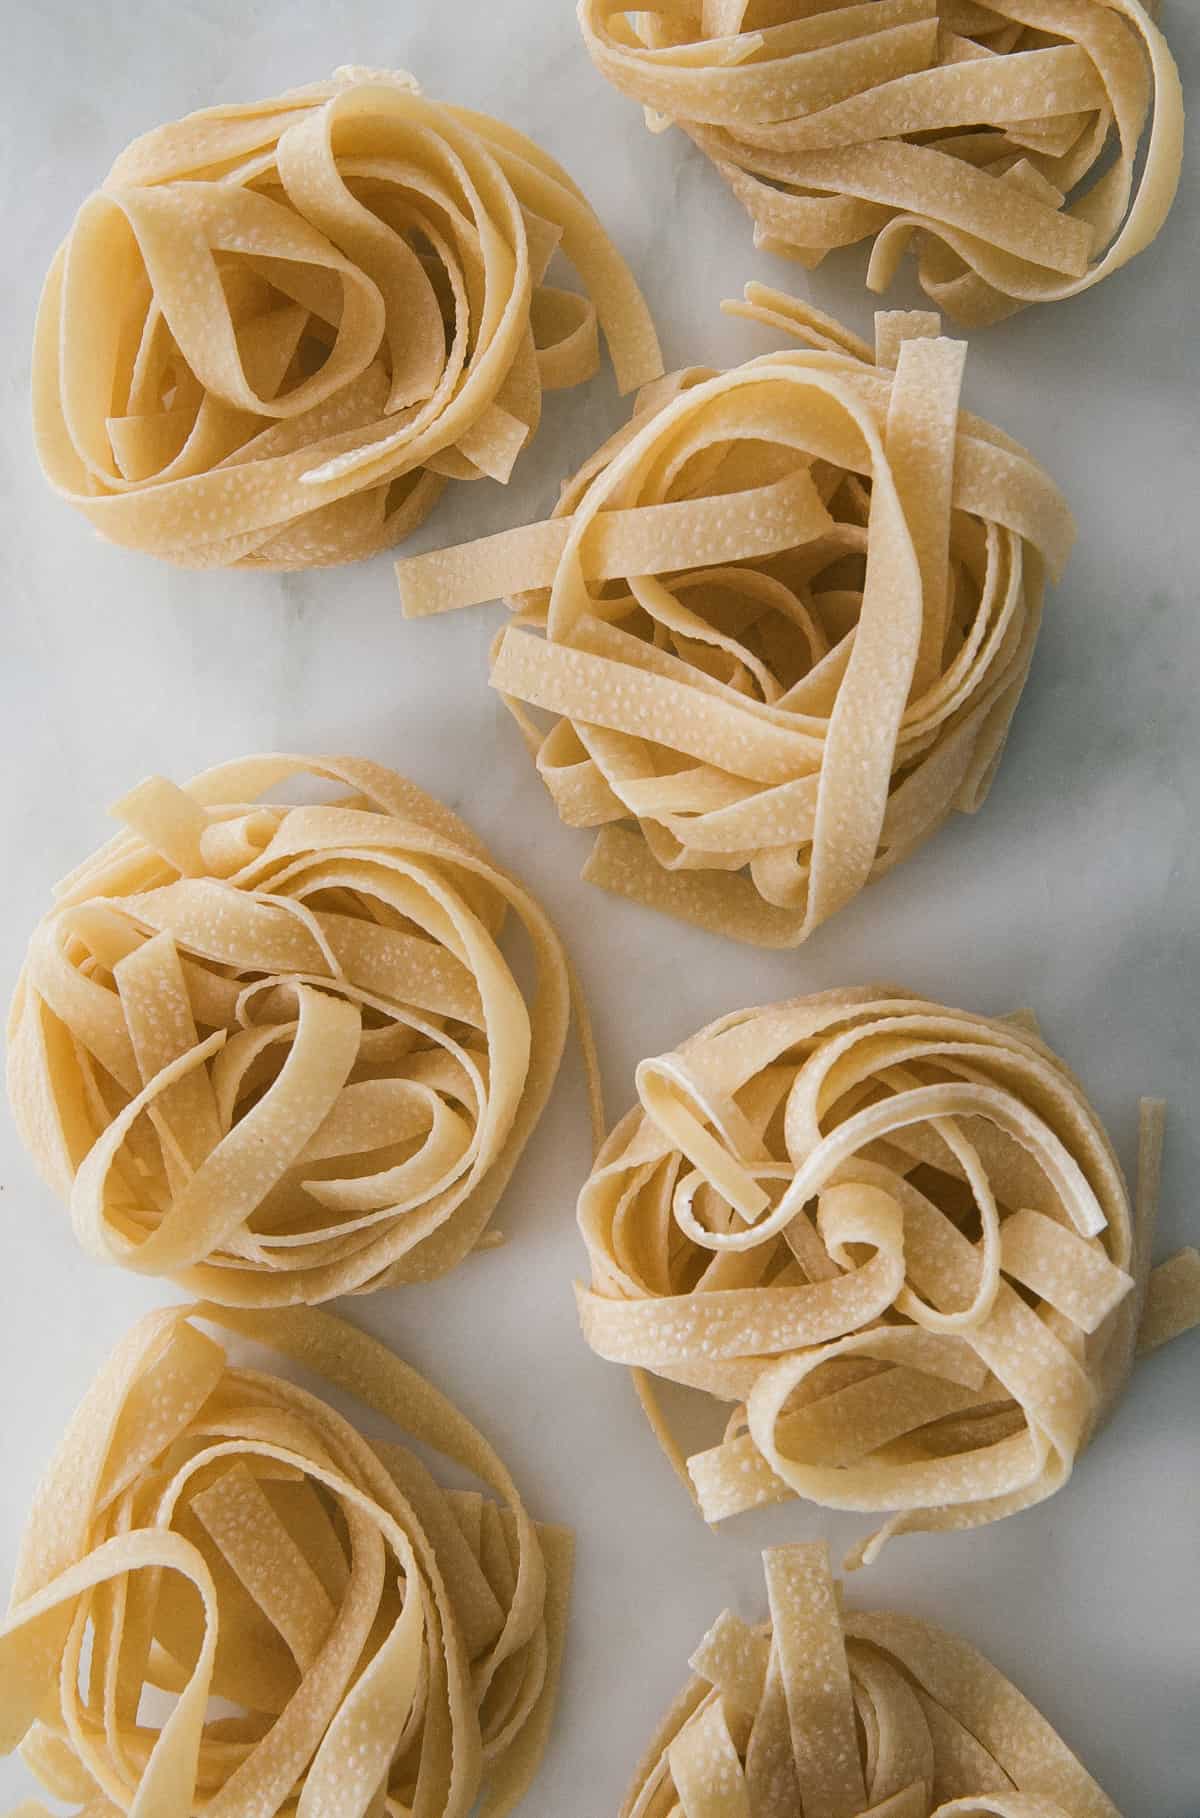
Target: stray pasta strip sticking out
{"type": "Point", "coordinates": [896, 1238]}
{"type": "Point", "coordinates": [275, 1053]}
{"type": "Point", "coordinates": [851, 1714]}
{"type": "Point", "coordinates": [279, 329]}
{"type": "Point", "coordinates": [384, 1646]}
{"type": "Point", "coordinates": [1004, 136]}
{"type": "Point", "coordinates": [780, 622]}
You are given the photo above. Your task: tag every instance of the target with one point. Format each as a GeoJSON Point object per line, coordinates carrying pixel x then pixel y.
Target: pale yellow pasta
{"type": "Point", "coordinates": [275, 1052]}
{"type": "Point", "coordinates": [279, 329]}
{"type": "Point", "coordinates": [384, 1646]}
{"type": "Point", "coordinates": [1009, 137]}
{"type": "Point", "coordinates": [896, 1238]}
{"type": "Point", "coordinates": [842, 1713]}
{"type": "Point", "coordinates": [785, 617]}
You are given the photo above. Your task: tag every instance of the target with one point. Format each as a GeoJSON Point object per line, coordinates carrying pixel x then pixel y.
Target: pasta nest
{"type": "Point", "coordinates": [896, 1237]}
{"type": "Point", "coordinates": [851, 1714]}
{"type": "Point", "coordinates": [385, 1646]}
{"type": "Point", "coordinates": [785, 617]}
{"type": "Point", "coordinates": [1005, 137]}
{"type": "Point", "coordinates": [275, 1052]}
{"type": "Point", "coordinates": [279, 329]}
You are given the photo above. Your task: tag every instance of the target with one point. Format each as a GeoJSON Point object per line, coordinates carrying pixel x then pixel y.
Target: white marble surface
{"type": "Point", "coordinates": [1076, 890]}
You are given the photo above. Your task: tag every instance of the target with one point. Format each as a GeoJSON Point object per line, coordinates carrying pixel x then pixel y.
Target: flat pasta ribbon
{"type": "Point", "coordinates": [896, 1237]}
{"type": "Point", "coordinates": [275, 1053]}
{"type": "Point", "coordinates": [1004, 136]}
{"type": "Point", "coordinates": [785, 615]}
{"type": "Point", "coordinates": [279, 328]}
{"type": "Point", "coordinates": [849, 1714]}
{"type": "Point", "coordinates": [386, 1647]}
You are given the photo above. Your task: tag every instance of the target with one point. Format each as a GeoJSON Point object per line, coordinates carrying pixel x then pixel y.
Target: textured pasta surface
{"type": "Point", "coordinates": [1031, 147]}
{"type": "Point", "coordinates": [780, 623]}
{"type": "Point", "coordinates": [278, 329]}
{"type": "Point", "coordinates": [851, 1714]}
{"type": "Point", "coordinates": [381, 1646]}
{"type": "Point", "coordinates": [896, 1238]}
{"type": "Point", "coordinates": [275, 1052]}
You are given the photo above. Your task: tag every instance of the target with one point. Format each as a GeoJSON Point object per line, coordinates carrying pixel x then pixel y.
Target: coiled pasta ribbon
{"type": "Point", "coordinates": [897, 1238]}
{"type": "Point", "coordinates": [280, 328]}
{"type": "Point", "coordinates": [1004, 136]}
{"type": "Point", "coordinates": [385, 1646]}
{"type": "Point", "coordinates": [786, 616]}
{"type": "Point", "coordinates": [275, 1053]}
{"type": "Point", "coordinates": [849, 1714]}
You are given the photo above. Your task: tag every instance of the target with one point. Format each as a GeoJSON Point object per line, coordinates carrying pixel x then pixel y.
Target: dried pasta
{"type": "Point", "coordinates": [1004, 136]}
{"type": "Point", "coordinates": [384, 1646]}
{"type": "Point", "coordinates": [851, 1714]}
{"type": "Point", "coordinates": [785, 617]}
{"type": "Point", "coordinates": [275, 1053]}
{"type": "Point", "coordinates": [896, 1238]}
{"type": "Point", "coordinates": [278, 329]}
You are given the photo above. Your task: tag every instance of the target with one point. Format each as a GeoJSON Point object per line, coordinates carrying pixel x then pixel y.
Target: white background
{"type": "Point", "coordinates": [1076, 890]}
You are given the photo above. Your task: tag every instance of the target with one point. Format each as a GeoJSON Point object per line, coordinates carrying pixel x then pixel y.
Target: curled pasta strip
{"type": "Point", "coordinates": [279, 329]}
{"type": "Point", "coordinates": [276, 1053]}
{"type": "Point", "coordinates": [1005, 136]}
{"type": "Point", "coordinates": [851, 1714]}
{"type": "Point", "coordinates": [896, 1238]}
{"type": "Point", "coordinates": [785, 616]}
{"type": "Point", "coordinates": [385, 1646]}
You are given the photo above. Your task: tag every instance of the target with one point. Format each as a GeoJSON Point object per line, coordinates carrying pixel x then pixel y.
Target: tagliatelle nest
{"type": "Point", "coordinates": [279, 329]}
{"type": "Point", "coordinates": [786, 616]}
{"type": "Point", "coordinates": [275, 1052]}
{"type": "Point", "coordinates": [851, 1714]}
{"type": "Point", "coordinates": [386, 1646]}
{"type": "Point", "coordinates": [896, 1237]}
{"type": "Point", "coordinates": [1004, 136]}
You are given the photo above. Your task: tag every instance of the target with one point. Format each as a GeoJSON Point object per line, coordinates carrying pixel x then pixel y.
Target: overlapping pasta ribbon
{"type": "Point", "coordinates": [280, 328]}
{"type": "Point", "coordinates": [897, 1238]}
{"type": "Point", "coordinates": [851, 1714]}
{"type": "Point", "coordinates": [1005, 136]}
{"type": "Point", "coordinates": [275, 1053]}
{"type": "Point", "coordinates": [386, 1646]}
{"type": "Point", "coordinates": [786, 617]}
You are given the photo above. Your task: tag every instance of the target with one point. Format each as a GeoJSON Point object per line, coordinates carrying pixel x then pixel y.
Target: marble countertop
{"type": "Point", "coordinates": [1076, 890]}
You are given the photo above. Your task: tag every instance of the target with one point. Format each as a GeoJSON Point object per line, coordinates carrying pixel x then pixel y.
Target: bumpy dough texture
{"type": "Point", "coordinates": [786, 616]}
{"type": "Point", "coordinates": [851, 1714]}
{"type": "Point", "coordinates": [208, 1531]}
{"type": "Point", "coordinates": [275, 1052]}
{"type": "Point", "coordinates": [895, 1236]}
{"type": "Point", "coordinates": [1004, 136]}
{"type": "Point", "coordinates": [279, 329]}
